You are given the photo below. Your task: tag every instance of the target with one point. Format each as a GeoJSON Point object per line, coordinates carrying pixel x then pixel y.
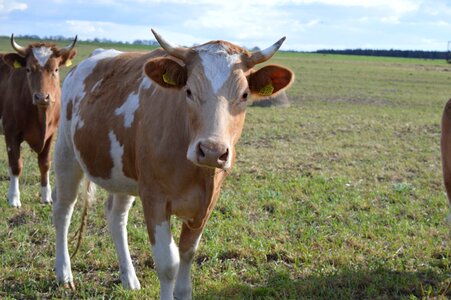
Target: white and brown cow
{"type": "Point", "coordinates": [30, 106]}
{"type": "Point", "coordinates": [163, 126]}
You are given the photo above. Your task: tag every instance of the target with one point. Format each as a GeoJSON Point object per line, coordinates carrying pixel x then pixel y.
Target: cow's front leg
{"type": "Point", "coordinates": [116, 209]}
{"type": "Point", "coordinates": [15, 169]}
{"type": "Point", "coordinates": [165, 252]}
{"type": "Point", "coordinates": [189, 240]}
{"type": "Point", "coordinates": [44, 166]}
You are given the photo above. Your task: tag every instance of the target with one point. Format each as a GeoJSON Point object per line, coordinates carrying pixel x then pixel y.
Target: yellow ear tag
{"type": "Point", "coordinates": [168, 80]}
{"type": "Point", "coordinates": [68, 63]}
{"type": "Point", "coordinates": [266, 90]}
{"type": "Point", "coordinates": [17, 65]}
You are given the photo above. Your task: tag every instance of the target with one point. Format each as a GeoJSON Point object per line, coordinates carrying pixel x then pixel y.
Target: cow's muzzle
{"type": "Point", "coordinates": [41, 99]}
{"type": "Point", "coordinates": [212, 154]}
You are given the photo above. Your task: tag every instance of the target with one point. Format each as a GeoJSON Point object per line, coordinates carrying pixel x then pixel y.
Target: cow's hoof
{"type": "Point", "coordinates": [46, 195]}
{"type": "Point", "coordinates": [14, 203]}
{"type": "Point", "coordinates": [47, 201]}
{"type": "Point", "coordinates": [69, 285]}
{"type": "Point", "coordinates": [130, 282]}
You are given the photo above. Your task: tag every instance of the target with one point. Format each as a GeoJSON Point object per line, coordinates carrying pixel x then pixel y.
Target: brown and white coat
{"type": "Point", "coordinates": [162, 126]}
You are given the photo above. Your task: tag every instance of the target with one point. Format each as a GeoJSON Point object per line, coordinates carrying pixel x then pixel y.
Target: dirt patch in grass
{"type": "Point", "coordinates": [20, 219]}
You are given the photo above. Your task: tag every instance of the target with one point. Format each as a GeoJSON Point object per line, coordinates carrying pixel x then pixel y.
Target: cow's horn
{"type": "Point", "coordinates": [263, 55]}
{"type": "Point", "coordinates": [71, 45]}
{"type": "Point", "coordinates": [19, 49]}
{"type": "Point", "coordinates": [176, 51]}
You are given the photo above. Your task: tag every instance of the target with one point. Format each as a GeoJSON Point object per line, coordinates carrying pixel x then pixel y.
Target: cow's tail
{"type": "Point", "coordinates": [87, 195]}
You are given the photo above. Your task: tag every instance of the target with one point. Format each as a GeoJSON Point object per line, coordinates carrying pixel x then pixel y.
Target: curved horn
{"type": "Point", "coordinates": [71, 45]}
{"type": "Point", "coordinates": [263, 55]}
{"type": "Point", "coordinates": [19, 49]}
{"type": "Point", "coordinates": [176, 51]}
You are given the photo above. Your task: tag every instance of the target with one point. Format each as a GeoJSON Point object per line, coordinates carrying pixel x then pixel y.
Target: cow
{"type": "Point", "coordinates": [30, 106]}
{"type": "Point", "coordinates": [445, 146]}
{"type": "Point", "coordinates": [163, 126]}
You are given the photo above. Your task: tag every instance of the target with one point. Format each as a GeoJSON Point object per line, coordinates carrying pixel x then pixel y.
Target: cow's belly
{"type": "Point", "coordinates": [117, 185]}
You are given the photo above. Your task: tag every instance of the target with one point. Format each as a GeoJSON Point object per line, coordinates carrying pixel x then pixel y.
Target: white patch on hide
{"type": "Point", "coordinates": [130, 105]}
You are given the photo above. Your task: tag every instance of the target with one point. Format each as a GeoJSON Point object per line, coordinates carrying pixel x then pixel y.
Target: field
{"type": "Point", "coordinates": [339, 196]}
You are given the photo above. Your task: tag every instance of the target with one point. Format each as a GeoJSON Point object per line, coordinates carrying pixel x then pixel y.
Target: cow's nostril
{"type": "Point", "coordinates": [47, 97]}
{"type": "Point", "coordinates": [225, 156]}
{"type": "Point", "coordinates": [200, 151]}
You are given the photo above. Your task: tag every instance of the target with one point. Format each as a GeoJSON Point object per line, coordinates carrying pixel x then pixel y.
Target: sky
{"type": "Point", "coordinates": [308, 24]}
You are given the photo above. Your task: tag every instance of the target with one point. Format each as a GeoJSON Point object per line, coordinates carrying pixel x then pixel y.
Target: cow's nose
{"type": "Point", "coordinates": [212, 154]}
{"type": "Point", "coordinates": [41, 99]}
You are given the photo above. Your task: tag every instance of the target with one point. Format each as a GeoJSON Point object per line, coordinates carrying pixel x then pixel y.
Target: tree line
{"type": "Point", "coordinates": [390, 53]}
{"type": "Point", "coordinates": [59, 38]}
{"type": "Point", "coordinates": [365, 52]}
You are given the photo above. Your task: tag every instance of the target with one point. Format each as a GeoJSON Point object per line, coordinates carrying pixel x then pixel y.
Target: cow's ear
{"type": "Point", "coordinates": [269, 80]}
{"type": "Point", "coordinates": [166, 72]}
{"type": "Point", "coordinates": [14, 60]}
{"type": "Point", "coordinates": [67, 56]}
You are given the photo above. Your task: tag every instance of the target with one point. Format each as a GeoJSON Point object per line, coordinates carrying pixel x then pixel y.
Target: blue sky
{"type": "Point", "coordinates": [307, 24]}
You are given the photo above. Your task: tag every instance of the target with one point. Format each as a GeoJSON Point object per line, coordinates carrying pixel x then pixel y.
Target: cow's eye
{"type": "Point", "coordinates": [244, 97]}
{"type": "Point", "coordinates": [28, 70]}
{"type": "Point", "coordinates": [56, 70]}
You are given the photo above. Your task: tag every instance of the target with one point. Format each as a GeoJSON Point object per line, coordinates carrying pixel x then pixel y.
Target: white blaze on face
{"type": "Point", "coordinates": [42, 54]}
{"type": "Point", "coordinates": [217, 64]}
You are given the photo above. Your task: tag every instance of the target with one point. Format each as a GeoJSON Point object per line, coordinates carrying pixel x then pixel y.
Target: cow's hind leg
{"type": "Point", "coordinates": [44, 166]}
{"type": "Point", "coordinates": [15, 169]}
{"type": "Point", "coordinates": [189, 240]}
{"type": "Point", "coordinates": [116, 209]}
{"type": "Point", "coordinates": [68, 176]}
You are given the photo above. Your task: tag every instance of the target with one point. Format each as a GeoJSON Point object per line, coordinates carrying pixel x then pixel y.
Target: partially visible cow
{"type": "Point", "coordinates": [445, 145]}
{"type": "Point", "coordinates": [30, 106]}
{"type": "Point", "coordinates": [163, 126]}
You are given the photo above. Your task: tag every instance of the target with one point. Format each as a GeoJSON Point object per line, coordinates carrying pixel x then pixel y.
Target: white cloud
{"type": "Point", "coordinates": [10, 5]}
{"type": "Point", "coordinates": [398, 6]}
{"type": "Point", "coordinates": [122, 32]}
{"type": "Point", "coordinates": [390, 20]}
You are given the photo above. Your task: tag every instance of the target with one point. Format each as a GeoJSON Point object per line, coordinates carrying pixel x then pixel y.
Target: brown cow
{"type": "Point", "coordinates": [445, 144]}
{"type": "Point", "coordinates": [30, 106]}
{"type": "Point", "coordinates": [163, 126]}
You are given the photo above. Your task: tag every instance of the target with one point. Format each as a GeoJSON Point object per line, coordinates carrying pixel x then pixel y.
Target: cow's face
{"type": "Point", "coordinates": [41, 62]}
{"type": "Point", "coordinates": [217, 79]}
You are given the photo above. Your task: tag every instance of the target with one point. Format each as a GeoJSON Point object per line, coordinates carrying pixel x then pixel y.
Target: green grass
{"type": "Point", "coordinates": [338, 197]}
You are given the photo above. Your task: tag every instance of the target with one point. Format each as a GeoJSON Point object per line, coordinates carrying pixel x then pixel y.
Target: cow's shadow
{"type": "Point", "coordinates": [345, 284]}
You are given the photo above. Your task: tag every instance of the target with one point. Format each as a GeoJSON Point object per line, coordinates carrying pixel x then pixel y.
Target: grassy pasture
{"type": "Point", "coordinates": [338, 197]}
